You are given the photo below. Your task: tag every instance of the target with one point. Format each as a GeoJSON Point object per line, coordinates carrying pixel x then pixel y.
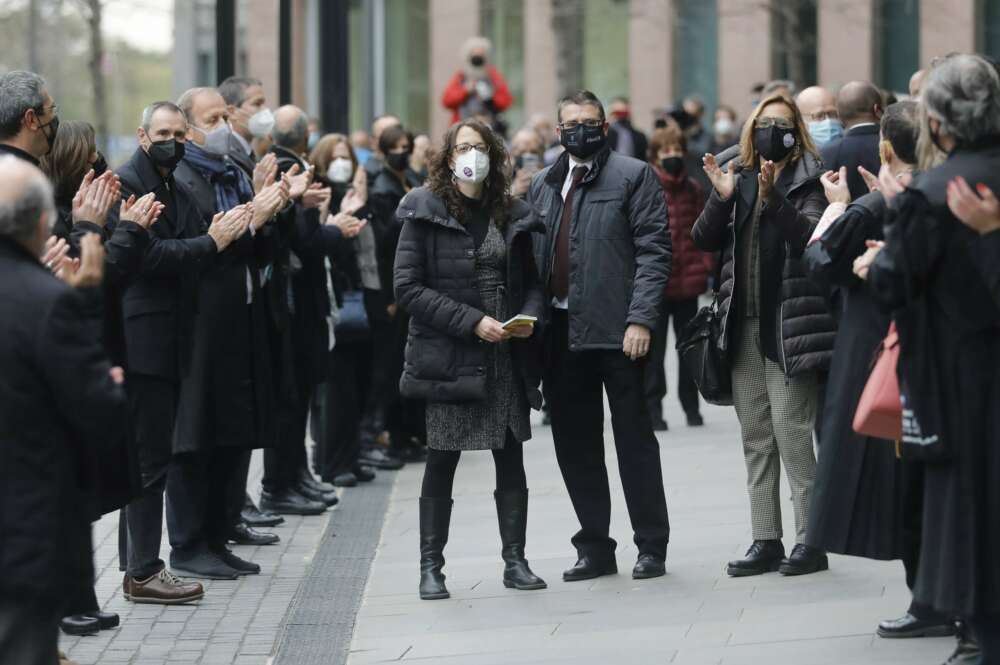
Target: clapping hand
{"type": "Point", "coordinates": [265, 172]}
{"type": "Point", "coordinates": [268, 202]}
{"type": "Point", "coordinates": [352, 202]}
{"type": "Point", "coordinates": [349, 225]}
{"type": "Point", "coordinates": [316, 196]}
{"type": "Point", "coordinates": [980, 213]}
{"type": "Point", "coordinates": [298, 180]}
{"type": "Point", "coordinates": [144, 211]}
{"type": "Point", "coordinates": [891, 184]}
{"type": "Point", "coordinates": [724, 182]}
{"type": "Point", "coordinates": [56, 252]}
{"type": "Point", "coordinates": [765, 179]}
{"type": "Point", "coordinates": [95, 197]}
{"type": "Point", "coordinates": [835, 186]}
{"type": "Point", "coordinates": [228, 226]}
{"type": "Point", "coordinates": [871, 180]}
{"type": "Point", "coordinates": [864, 262]}
{"type": "Point", "coordinates": [88, 271]}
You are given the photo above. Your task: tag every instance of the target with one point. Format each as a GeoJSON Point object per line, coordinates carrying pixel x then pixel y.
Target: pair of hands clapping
{"type": "Point", "coordinates": [724, 182]}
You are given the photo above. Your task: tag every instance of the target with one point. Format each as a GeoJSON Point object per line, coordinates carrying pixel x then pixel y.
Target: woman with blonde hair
{"type": "Point", "coordinates": [776, 330]}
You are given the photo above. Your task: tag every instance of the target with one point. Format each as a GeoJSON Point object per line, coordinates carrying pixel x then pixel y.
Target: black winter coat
{"type": "Point", "coordinates": [796, 328]}
{"type": "Point", "coordinates": [385, 191]}
{"type": "Point", "coordinates": [61, 416]}
{"type": "Point", "coordinates": [619, 246]}
{"type": "Point", "coordinates": [435, 284]}
{"type": "Point", "coordinates": [949, 366]}
{"type": "Point", "coordinates": [856, 503]}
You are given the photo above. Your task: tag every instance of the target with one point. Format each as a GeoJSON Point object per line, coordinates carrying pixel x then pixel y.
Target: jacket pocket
{"type": "Point", "coordinates": [430, 356]}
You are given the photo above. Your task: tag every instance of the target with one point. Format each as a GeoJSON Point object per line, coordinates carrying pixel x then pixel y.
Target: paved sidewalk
{"type": "Point", "coordinates": [695, 615]}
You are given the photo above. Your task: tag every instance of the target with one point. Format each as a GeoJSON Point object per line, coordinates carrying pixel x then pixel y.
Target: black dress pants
{"type": "Point", "coordinates": [573, 383]}
{"type": "Point", "coordinates": [198, 489]}
{"type": "Point", "coordinates": [153, 403]}
{"type": "Point", "coordinates": [29, 630]}
{"type": "Point", "coordinates": [283, 462]}
{"type": "Point", "coordinates": [439, 472]}
{"type": "Point", "coordinates": [338, 408]}
{"type": "Point", "coordinates": [911, 535]}
{"type": "Point", "coordinates": [682, 311]}
{"type": "Point", "coordinates": [403, 418]}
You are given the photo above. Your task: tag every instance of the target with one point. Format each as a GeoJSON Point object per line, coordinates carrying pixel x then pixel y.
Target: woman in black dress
{"type": "Point", "coordinates": [465, 264]}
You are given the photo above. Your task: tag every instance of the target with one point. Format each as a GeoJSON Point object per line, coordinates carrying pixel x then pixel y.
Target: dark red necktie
{"type": "Point", "coordinates": [560, 271]}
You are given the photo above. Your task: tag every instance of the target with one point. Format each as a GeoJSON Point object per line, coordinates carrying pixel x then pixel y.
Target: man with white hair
{"type": "Point", "coordinates": [60, 409]}
{"type": "Point", "coordinates": [478, 87]}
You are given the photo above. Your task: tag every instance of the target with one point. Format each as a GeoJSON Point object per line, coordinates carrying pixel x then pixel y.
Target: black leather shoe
{"type": "Point", "coordinates": [290, 502]}
{"type": "Point", "coordinates": [764, 556]}
{"type": "Point", "coordinates": [910, 626]}
{"type": "Point", "coordinates": [307, 479]}
{"type": "Point", "coordinates": [587, 568]}
{"type": "Point", "coordinates": [804, 560]}
{"type": "Point", "coordinates": [328, 499]}
{"type": "Point", "coordinates": [346, 479]}
{"type": "Point", "coordinates": [244, 534]}
{"type": "Point", "coordinates": [648, 566]}
{"type": "Point", "coordinates": [254, 517]}
{"type": "Point", "coordinates": [364, 474]}
{"type": "Point", "coordinates": [80, 624]}
{"type": "Point", "coordinates": [203, 565]}
{"type": "Point", "coordinates": [967, 652]}
{"type": "Point", "coordinates": [660, 425]}
{"type": "Point", "coordinates": [695, 420]}
{"type": "Point", "coordinates": [410, 454]}
{"type": "Point", "coordinates": [377, 458]}
{"type": "Point", "coordinates": [241, 566]}
{"type": "Point", "coordinates": [106, 620]}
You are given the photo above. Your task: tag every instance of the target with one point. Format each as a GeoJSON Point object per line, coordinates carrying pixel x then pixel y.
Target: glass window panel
{"type": "Point", "coordinates": [407, 63]}
{"type": "Point", "coordinates": [695, 46]}
{"type": "Point", "coordinates": [794, 41]}
{"type": "Point", "coordinates": [897, 42]}
{"type": "Point", "coordinates": [988, 20]}
{"type": "Point", "coordinates": [502, 21]}
{"type": "Point", "coordinates": [605, 48]}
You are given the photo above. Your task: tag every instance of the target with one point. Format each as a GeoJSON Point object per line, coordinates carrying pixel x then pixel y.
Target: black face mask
{"type": "Point", "coordinates": [583, 141]}
{"type": "Point", "coordinates": [774, 143]}
{"type": "Point", "coordinates": [477, 61]}
{"type": "Point", "coordinates": [100, 165]}
{"type": "Point", "coordinates": [50, 130]}
{"type": "Point", "coordinates": [166, 154]}
{"type": "Point", "coordinates": [672, 165]}
{"type": "Point", "coordinates": [398, 161]}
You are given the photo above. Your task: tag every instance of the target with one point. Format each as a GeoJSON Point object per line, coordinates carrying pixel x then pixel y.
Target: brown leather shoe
{"type": "Point", "coordinates": [163, 588]}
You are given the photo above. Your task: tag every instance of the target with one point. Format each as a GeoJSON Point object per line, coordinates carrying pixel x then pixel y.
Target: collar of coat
{"type": "Point", "coordinates": [557, 172]}
{"type": "Point", "coordinates": [422, 204]}
{"type": "Point", "coordinates": [149, 177]}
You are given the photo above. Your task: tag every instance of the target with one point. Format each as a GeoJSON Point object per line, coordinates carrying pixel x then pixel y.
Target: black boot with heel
{"type": "Point", "coordinates": [512, 514]}
{"type": "Point", "coordinates": [435, 516]}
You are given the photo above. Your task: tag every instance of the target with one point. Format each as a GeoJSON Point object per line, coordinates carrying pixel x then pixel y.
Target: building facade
{"type": "Point", "coordinates": [402, 52]}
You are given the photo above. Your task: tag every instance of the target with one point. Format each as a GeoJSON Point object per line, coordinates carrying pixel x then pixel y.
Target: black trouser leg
{"type": "Point", "coordinates": [280, 461]}
{"type": "Point", "coordinates": [821, 379]}
{"type": "Point", "coordinates": [986, 630]}
{"type": "Point", "coordinates": [509, 464]}
{"type": "Point", "coordinates": [655, 376]}
{"type": "Point", "coordinates": [29, 630]}
{"type": "Point", "coordinates": [237, 495]}
{"type": "Point", "coordinates": [187, 494]}
{"type": "Point", "coordinates": [912, 501]}
{"type": "Point", "coordinates": [345, 390]}
{"type": "Point", "coordinates": [687, 391]}
{"type": "Point", "coordinates": [638, 453]}
{"type": "Point", "coordinates": [225, 469]}
{"type": "Point", "coordinates": [153, 403]}
{"type": "Point", "coordinates": [572, 385]}
{"type": "Point", "coordinates": [404, 417]}
{"type": "Point", "coordinates": [439, 474]}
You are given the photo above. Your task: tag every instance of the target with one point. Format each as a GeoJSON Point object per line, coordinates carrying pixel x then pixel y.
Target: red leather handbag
{"type": "Point", "coordinates": [880, 411]}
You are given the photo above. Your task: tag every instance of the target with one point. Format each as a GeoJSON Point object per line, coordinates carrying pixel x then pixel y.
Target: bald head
{"type": "Point", "coordinates": [26, 206]}
{"type": "Point", "coordinates": [382, 123]}
{"type": "Point", "coordinates": [291, 128]}
{"type": "Point", "coordinates": [817, 103]}
{"type": "Point", "coordinates": [859, 102]}
{"type": "Point", "coordinates": [526, 140]}
{"type": "Point", "coordinates": [917, 82]}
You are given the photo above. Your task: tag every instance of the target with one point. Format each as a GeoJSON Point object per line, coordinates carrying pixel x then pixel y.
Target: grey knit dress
{"type": "Point", "coordinates": [483, 425]}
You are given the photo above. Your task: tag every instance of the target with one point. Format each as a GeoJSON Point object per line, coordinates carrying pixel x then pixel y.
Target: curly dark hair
{"type": "Point", "coordinates": [496, 187]}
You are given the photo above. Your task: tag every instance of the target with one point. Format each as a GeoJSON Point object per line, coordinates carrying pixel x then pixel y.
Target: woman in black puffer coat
{"type": "Point", "coordinates": [464, 265]}
{"type": "Point", "coordinates": [776, 329]}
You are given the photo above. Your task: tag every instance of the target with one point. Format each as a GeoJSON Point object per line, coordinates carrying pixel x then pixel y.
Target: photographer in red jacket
{"type": "Point", "coordinates": [477, 90]}
{"type": "Point", "coordinates": [688, 276]}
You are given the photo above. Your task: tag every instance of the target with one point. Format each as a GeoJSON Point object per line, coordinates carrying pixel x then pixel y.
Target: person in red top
{"type": "Point", "coordinates": [477, 89]}
{"type": "Point", "coordinates": [689, 273]}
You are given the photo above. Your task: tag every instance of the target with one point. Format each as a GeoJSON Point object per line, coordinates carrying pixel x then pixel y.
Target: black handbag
{"type": "Point", "coordinates": [698, 347]}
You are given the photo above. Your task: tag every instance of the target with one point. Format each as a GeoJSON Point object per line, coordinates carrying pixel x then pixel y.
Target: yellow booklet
{"type": "Point", "coordinates": [520, 321]}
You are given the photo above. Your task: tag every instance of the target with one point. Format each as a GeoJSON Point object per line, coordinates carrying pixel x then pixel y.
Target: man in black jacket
{"type": "Point", "coordinates": [59, 415]}
{"type": "Point", "coordinates": [29, 117]}
{"type": "Point", "coordinates": [860, 106]}
{"type": "Point", "coordinates": [622, 136]}
{"type": "Point", "coordinates": [158, 309]}
{"type": "Point", "coordinates": [605, 260]}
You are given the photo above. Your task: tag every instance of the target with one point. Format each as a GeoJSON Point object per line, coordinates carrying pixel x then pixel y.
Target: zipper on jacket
{"type": "Point", "coordinates": [781, 341]}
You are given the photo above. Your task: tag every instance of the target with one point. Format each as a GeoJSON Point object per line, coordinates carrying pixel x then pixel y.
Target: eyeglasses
{"type": "Point", "coordinates": [463, 148]}
{"type": "Point", "coordinates": [767, 122]}
{"type": "Point", "coordinates": [46, 109]}
{"type": "Point", "coordinates": [573, 124]}
{"type": "Point", "coordinates": [824, 115]}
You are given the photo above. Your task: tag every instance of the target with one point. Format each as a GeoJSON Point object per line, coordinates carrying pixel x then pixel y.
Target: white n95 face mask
{"type": "Point", "coordinates": [473, 166]}
{"type": "Point", "coordinates": [340, 170]}
{"type": "Point", "coordinates": [261, 123]}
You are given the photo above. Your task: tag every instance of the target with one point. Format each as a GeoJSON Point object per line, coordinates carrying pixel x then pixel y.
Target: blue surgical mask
{"type": "Point", "coordinates": [824, 131]}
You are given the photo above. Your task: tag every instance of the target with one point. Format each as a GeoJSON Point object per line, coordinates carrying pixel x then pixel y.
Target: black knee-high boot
{"type": "Point", "coordinates": [512, 514]}
{"type": "Point", "coordinates": [435, 516]}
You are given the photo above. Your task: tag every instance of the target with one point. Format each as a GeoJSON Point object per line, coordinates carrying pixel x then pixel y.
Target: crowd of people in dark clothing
{"type": "Point", "coordinates": [242, 283]}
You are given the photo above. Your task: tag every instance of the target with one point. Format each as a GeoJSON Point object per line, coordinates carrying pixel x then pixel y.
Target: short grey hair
{"type": "Point", "coordinates": [149, 111]}
{"type": "Point", "coordinates": [234, 88]}
{"type": "Point", "coordinates": [962, 92]}
{"type": "Point", "coordinates": [186, 101]}
{"type": "Point", "coordinates": [19, 91]}
{"type": "Point", "coordinates": [19, 214]}
{"type": "Point", "coordinates": [294, 136]}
